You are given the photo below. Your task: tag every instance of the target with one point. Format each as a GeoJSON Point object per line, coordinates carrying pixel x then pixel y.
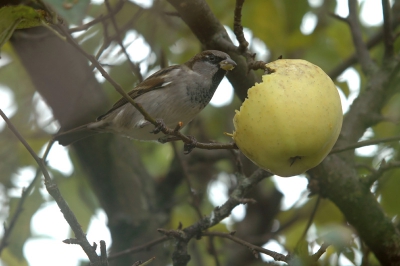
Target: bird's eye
{"type": "Point", "coordinates": [212, 58]}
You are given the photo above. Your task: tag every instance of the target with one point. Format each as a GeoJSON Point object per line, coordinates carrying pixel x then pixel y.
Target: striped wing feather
{"type": "Point", "coordinates": [154, 82]}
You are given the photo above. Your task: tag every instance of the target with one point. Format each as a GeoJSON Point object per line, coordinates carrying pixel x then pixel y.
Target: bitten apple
{"type": "Point", "coordinates": [291, 120]}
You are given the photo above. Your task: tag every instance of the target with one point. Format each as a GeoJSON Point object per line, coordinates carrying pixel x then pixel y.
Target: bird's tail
{"type": "Point", "coordinates": [68, 137]}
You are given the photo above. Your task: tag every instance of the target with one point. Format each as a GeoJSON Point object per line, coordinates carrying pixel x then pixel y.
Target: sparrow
{"type": "Point", "coordinates": [173, 94]}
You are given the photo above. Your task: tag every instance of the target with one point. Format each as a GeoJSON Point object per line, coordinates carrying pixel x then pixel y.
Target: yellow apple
{"type": "Point", "coordinates": [291, 120]}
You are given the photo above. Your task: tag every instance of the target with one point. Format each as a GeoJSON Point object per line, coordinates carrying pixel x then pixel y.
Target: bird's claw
{"type": "Point", "coordinates": [159, 127]}
{"type": "Point", "coordinates": [188, 147]}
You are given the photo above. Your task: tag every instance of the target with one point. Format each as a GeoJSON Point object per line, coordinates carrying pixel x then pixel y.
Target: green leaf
{"type": "Point", "coordinates": [151, 154]}
{"type": "Point", "coordinates": [301, 256]}
{"type": "Point", "coordinates": [71, 10]}
{"type": "Point", "coordinates": [389, 190]}
{"type": "Point", "coordinates": [330, 46]}
{"type": "Point", "coordinates": [293, 233]}
{"type": "Point", "coordinates": [18, 17]}
{"type": "Point", "coordinates": [302, 248]}
{"type": "Point", "coordinates": [184, 214]}
{"type": "Point", "coordinates": [10, 259]}
{"type": "Point", "coordinates": [295, 11]}
{"type": "Point", "coordinates": [258, 15]}
{"type": "Point", "coordinates": [327, 213]}
{"type": "Point", "coordinates": [391, 112]}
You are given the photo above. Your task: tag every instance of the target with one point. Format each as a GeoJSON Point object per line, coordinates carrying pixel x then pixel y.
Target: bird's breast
{"type": "Point", "coordinates": [199, 94]}
{"type": "Point", "coordinates": [172, 104]}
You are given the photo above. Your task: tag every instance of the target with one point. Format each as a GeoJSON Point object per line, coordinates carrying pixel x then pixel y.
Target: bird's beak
{"type": "Point", "coordinates": [227, 64]}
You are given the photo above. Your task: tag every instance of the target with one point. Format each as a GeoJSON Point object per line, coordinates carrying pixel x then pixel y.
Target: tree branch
{"type": "Point", "coordinates": [180, 256]}
{"type": "Point", "coordinates": [320, 251]}
{"type": "Point", "coordinates": [103, 253]}
{"type": "Point", "coordinates": [365, 143]}
{"type": "Point", "coordinates": [100, 19]}
{"type": "Point", "coordinates": [14, 218]}
{"type": "Point", "coordinates": [143, 247]}
{"type": "Point", "coordinates": [367, 65]}
{"type": "Point", "coordinates": [212, 35]}
{"type": "Point", "coordinates": [371, 42]}
{"type": "Point", "coordinates": [369, 180]}
{"type": "Point", "coordinates": [253, 248]}
{"type": "Point", "coordinates": [387, 29]}
{"type": "Point", "coordinates": [25, 193]}
{"type": "Point", "coordinates": [352, 59]}
{"type": "Point", "coordinates": [135, 68]}
{"type": "Point", "coordinates": [55, 193]}
{"type": "Point", "coordinates": [238, 28]}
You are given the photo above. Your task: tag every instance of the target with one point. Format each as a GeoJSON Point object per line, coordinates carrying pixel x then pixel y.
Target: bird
{"type": "Point", "coordinates": [175, 94]}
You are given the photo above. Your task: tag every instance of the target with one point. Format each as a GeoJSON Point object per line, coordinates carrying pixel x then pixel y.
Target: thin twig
{"type": "Point", "coordinates": [104, 73]}
{"type": "Point", "coordinates": [369, 180]}
{"type": "Point", "coordinates": [238, 161]}
{"type": "Point", "coordinates": [212, 251]}
{"type": "Point", "coordinates": [107, 40]}
{"type": "Point", "coordinates": [38, 160]}
{"type": "Point", "coordinates": [320, 251]}
{"type": "Point", "coordinates": [135, 68]}
{"type": "Point", "coordinates": [365, 143]}
{"type": "Point", "coordinates": [340, 18]}
{"type": "Point", "coordinates": [146, 246]}
{"type": "Point", "coordinates": [367, 65]}
{"type": "Point", "coordinates": [200, 145]}
{"type": "Point", "coordinates": [352, 59]}
{"type": "Point", "coordinates": [99, 19]}
{"type": "Point", "coordinates": [55, 193]}
{"type": "Point", "coordinates": [253, 248]}
{"type": "Point", "coordinates": [8, 229]}
{"type": "Point", "coordinates": [252, 64]}
{"type": "Point", "coordinates": [183, 236]}
{"type": "Point", "coordinates": [195, 198]}
{"type": "Point", "coordinates": [104, 45]}
{"type": "Point", "coordinates": [238, 28]}
{"type": "Point", "coordinates": [310, 220]}
{"type": "Point", "coordinates": [25, 193]}
{"type": "Point", "coordinates": [234, 199]}
{"type": "Point", "coordinates": [103, 253]}
{"type": "Point", "coordinates": [139, 263]}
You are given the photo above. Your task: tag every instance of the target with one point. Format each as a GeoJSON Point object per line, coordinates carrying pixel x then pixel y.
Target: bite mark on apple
{"type": "Point", "coordinates": [269, 70]}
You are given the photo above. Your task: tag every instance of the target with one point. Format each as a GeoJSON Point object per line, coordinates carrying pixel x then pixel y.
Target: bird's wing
{"type": "Point", "coordinates": [154, 82]}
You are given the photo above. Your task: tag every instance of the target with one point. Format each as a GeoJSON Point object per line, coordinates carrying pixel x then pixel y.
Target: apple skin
{"type": "Point", "coordinates": [291, 120]}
